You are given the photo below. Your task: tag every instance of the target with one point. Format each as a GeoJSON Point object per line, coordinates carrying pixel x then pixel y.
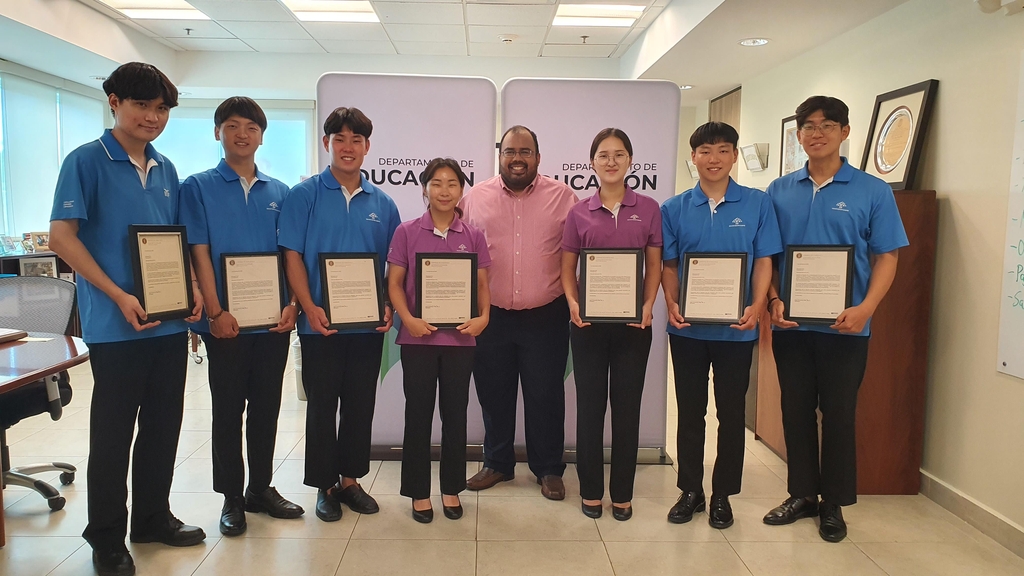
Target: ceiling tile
{"type": "Point", "coordinates": [267, 30]}
{"type": "Point", "coordinates": [289, 46]}
{"type": "Point", "coordinates": [213, 44]}
{"type": "Point", "coordinates": [358, 46]}
{"type": "Point", "coordinates": [346, 31]}
{"type": "Point", "coordinates": [515, 49]}
{"type": "Point", "coordinates": [176, 28]}
{"type": "Point", "coordinates": [526, 34]}
{"type": "Point", "coordinates": [432, 48]}
{"type": "Point", "coordinates": [418, 13]}
{"type": "Point", "coordinates": [551, 2]}
{"type": "Point", "coordinates": [512, 14]}
{"type": "Point", "coordinates": [632, 37]}
{"type": "Point", "coordinates": [426, 33]}
{"type": "Point", "coordinates": [578, 50]}
{"type": "Point", "coordinates": [594, 34]}
{"type": "Point", "coordinates": [253, 10]}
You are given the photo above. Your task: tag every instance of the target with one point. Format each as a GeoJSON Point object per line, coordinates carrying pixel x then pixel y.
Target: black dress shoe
{"type": "Point", "coordinates": [328, 508]}
{"type": "Point", "coordinates": [173, 532]}
{"type": "Point", "coordinates": [833, 527]}
{"type": "Point", "coordinates": [592, 511]}
{"type": "Point", "coordinates": [688, 504]}
{"type": "Point", "coordinates": [232, 516]}
{"type": "Point", "coordinates": [425, 516]}
{"type": "Point", "coordinates": [452, 512]}
{"type": "Point", "coordinates": [720, 514]}
{"type": "Point", "coordinates": [357, 500]}
{"type": "Point", "coordinates": [113, 562]}
{"type": "Point", "coordinates": [792, 510]}
{"type": "Point", "coordinates": [271, 502]}
{"type": "Point", "coordinates": [622, 514]}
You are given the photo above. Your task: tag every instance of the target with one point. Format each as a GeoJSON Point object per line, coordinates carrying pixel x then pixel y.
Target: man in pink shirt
{"type": "Point", "coordinates": [522, 215]}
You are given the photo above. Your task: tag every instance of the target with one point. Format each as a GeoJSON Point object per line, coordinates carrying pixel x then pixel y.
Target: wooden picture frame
{"type": "Point", "coordinates": [791, 154]}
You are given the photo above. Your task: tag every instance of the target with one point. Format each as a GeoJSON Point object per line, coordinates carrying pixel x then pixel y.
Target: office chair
{"type": "Point", "coordinates": [36, 304]}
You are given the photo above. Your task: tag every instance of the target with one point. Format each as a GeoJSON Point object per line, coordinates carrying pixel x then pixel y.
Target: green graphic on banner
{"type": "Point", "coordinates": [391, 353]}
{"type": "Point", "coordinates": [568, 366]}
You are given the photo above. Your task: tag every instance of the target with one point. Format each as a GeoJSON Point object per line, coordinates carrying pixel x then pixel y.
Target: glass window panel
{"type": "Point", "coordinates": [81, 120]}
{"type": "Point", "coordinates": [32, 152]}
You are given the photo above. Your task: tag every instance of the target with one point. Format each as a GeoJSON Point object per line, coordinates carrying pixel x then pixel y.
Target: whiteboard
{"type": "Point", "coordinates": [1011, 311]}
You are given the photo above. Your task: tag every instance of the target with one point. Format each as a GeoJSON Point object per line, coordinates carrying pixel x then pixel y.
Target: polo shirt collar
{"type": "Point", "coordinates": [844, 174]}
{"type": "Point", "coordinates": [328, 180]}
{"type": "Point", "coordinates": [427, 223]}
{"type": "Point", "coordinates": [732, 193]}
{"type": "Point", "coordinates": [629, 199]}
{"type": "Point", "coordinates": [229, 174]}
{"type": "Point", "coordinates": [117, 153]}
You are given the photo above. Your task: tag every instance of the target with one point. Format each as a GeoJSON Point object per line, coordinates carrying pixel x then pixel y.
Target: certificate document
{"type": "Point", "coordinates": [446, 288]}
{"type": "Point", "coordinates": [253, 288]}
{"type": "Point", "coordinates": [351, 290]}
{"type": "Point", "coordinates": [611, 285]}
{"type": "Point", "coordinates": [163, 279]}
{"type": "Point", "coordinates": [818, 283]}
{"type": "Point", "coordinates": [713, 288]}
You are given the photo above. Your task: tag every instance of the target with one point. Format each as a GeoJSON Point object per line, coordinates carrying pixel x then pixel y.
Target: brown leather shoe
{"type": "Point", "coordinates": [552, 487]}
{"type": "Point", "coordinates": [486, 478]}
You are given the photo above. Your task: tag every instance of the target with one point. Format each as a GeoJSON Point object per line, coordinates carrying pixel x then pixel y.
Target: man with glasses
{"type": "Point", "coordinates": [828, 202]}
{"type": "Point", "coordinates": [522, 215]}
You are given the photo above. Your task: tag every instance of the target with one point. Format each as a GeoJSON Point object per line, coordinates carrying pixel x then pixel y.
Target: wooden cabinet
{"type": "Point", "coordinates": [890, 409]}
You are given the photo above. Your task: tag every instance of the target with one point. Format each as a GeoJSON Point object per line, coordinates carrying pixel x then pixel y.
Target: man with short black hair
{"type": "Point", "coordinates": [234, 209]}
{"type": "Point", "coordinates": [138, 366]}
{"type": "Point", "coordinates": [338, 210]}
{"type": "Point", "coordinates": [828, 202]}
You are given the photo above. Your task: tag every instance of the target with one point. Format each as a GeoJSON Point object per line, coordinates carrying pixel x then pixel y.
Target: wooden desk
{"type": "Point", "coordinates": [23, 363]}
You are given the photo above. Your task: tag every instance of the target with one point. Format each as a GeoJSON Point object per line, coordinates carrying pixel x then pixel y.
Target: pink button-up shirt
{"type": "Point", "coordinates": [524, 238]}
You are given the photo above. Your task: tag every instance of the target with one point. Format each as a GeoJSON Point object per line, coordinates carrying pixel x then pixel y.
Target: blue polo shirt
{"type": "Point", "coordinates": [315, 218]}
{"type": "Point", "coordinates": [216, 211]}
{"type": "Point", "coordinates": [100, 187]}
{"type": "Point", "coordinates": [743, 222]}
{"type": "Point", "coordinates": [855, 209]}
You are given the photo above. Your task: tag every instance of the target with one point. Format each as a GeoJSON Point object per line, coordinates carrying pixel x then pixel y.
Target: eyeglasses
{"type": "Point", "coordinates": [605, 158]}
{"type": "Point", "coordinates": [825, 128]}
{"type": "Point", "coordinates": [509, 153]}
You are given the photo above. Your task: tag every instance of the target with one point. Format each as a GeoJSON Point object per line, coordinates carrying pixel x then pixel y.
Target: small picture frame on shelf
{"type": "Point", "coordinates": [40, 241]}
{"type": "Point", "coordinates": [45, 266]}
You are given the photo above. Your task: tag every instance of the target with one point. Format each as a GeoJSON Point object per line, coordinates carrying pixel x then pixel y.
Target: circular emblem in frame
{"type": "Point", "coordinates": [894, 140]}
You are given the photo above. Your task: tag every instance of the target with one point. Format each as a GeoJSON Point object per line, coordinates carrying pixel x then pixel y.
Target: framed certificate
{"type": "Point", "coordinates": [611, 285]}
{"type": "Point", "coordinates": [446, 288]}
{"type": "Point", "coordinates": [818, 284]}
{"type": "Point", "coordinates": [714, 287]}
{"type": "Point", "coordinates": [163, 275]}
{"type": "Point", "coordinates": [350, 284]}
{"type": "Point", "coordinates": [253, 288]}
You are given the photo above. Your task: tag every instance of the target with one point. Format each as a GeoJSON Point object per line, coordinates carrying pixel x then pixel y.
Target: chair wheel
{"type": "Point", "coordinates": [67, 478]}
{"type": "Point", "coordinates": [56, 503]}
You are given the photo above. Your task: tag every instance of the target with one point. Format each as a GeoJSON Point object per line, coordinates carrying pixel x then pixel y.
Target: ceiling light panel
{"type": "Point", "coordinates": [156, 9]}
{"type": "Point", "coordinates": [600, 10]}
{"type": "Point", "coordinates": [332, 10]}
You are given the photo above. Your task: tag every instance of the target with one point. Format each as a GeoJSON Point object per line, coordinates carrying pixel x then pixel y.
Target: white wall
{"type": "Point", "coordinates": [975, 416]}
{"type": "Point", "coordinates": [687, 124]}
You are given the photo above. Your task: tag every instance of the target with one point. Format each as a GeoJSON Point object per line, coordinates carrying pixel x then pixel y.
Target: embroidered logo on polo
{"type": "Point", "coordinates": [737, 223]}
{"type": "Point", "coordinates": [462, 247]}
{"type": "Point", "coordinates": [167, 193]}
{"type": "Point", "coordinates": [273, 206]}
{"type": "Point", "coordinates": [634, 218]}
{"type": "Point", "coordinates": [373, 217]}
{"type": "Point", "coordinates": [841, 207]}
{"type": "Point", "coordinates": [69, 203]}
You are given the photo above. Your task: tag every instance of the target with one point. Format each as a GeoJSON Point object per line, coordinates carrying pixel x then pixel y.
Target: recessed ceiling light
{"type": "Point", "coordinates": [332, 10]}
{"type": "Point", "coordinates": [621, 15]}
{"type": "Point", "coordinates": [751, 42]}
{"type": "Point", "coordinates": [156, 9]}
{"type": "Point", "coordinates": [180, 93]}
{"type": "Point", "coordinates": [685, 87]}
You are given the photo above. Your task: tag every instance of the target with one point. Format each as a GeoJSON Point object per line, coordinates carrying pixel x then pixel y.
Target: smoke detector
{"type": "Point", "coordinates": [507, 38]}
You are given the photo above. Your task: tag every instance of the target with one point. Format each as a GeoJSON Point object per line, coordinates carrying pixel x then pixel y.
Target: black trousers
{"type": "Point", "coordinates": [818, 370]}
{"type": "Point", "coordinates": [430, 372]}
{"type": "Point", "coordinates": [691, 359]}
{"type": "Point", "coordinates": [245, 376]}
{"type": "Point", "coordinates": [531, 345]}
{"type": "Point", "coordinates": [610, 362]}
{"type": "Point", "coordinates": [133, 381]}
{"type": "Point", "coordinates": [339, 369]}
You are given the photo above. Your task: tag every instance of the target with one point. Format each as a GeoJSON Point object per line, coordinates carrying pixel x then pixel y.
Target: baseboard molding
{"type": "Point", "coordinates": [987, 521]}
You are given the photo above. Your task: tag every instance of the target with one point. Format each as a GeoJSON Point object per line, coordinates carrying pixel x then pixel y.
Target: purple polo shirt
{"type": "Point", "coordinates": [591, 225]}
{"type": "Point", "coordinates": [415, 236]}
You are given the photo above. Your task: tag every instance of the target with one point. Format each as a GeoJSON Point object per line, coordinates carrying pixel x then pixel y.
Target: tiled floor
{"type": "Point", "coordinates": [509, 529]}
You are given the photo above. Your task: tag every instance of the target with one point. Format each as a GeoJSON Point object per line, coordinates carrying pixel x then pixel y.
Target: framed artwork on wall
{"type": "Point", "coordinates": [792, 157]}
{"type": "Point", "coordinates": [896, 133]}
